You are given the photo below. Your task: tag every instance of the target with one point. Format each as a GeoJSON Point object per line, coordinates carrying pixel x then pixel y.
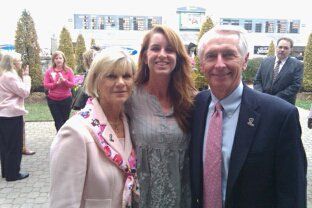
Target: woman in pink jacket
{"type": "Point", "coordinates": [92, 160]}
{"type": "Point", "coordinates": [13, 91]}
{"type": "Point", "coordinates": [58, 80]}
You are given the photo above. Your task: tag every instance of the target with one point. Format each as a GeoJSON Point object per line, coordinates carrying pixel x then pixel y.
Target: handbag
{"type": "Point", "coordinates": [80, 99]}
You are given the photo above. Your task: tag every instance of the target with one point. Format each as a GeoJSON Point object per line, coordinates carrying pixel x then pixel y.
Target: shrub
{"type": "Point", "coordinates": [252, 67]}
{"type": "Point", "coordinates": [307, 77]}
{"type": "Point", "coordinates": [66, 46]}
{"type": "Point", "coordinates": [26, 44]}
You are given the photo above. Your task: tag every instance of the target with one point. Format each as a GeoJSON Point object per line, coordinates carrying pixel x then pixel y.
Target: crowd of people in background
{"type": "Point", "coordinates": [143, 136]}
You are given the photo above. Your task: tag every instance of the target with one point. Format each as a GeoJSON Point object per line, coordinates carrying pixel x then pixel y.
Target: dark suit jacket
{"type": "Point", "coordinates": [288, 80]}
{"type": "Point", "coordinates": [268, 162]}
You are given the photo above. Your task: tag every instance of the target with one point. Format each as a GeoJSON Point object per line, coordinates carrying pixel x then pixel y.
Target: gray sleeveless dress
{"type": "Point", "coordinates": [162, 153]}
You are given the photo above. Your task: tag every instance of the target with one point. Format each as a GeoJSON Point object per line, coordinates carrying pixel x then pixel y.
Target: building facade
{"type": "Point", "coordinates": [262, 31]}
{"type": "Point", "coordinates": [129, 30]}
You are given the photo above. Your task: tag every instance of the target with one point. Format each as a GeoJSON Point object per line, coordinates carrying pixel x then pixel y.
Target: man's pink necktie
{"type": "Point", "coordinates": [213, 160]}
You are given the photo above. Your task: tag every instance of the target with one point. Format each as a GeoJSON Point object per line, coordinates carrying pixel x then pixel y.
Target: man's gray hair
{"type": "Point", "coordinates": [224, 30]}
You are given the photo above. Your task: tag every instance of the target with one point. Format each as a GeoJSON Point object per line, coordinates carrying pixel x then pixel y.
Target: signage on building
{"type": "Point", "coordinates": [191, 18]}
{"type": "Point", "coordinates": [261, 50]}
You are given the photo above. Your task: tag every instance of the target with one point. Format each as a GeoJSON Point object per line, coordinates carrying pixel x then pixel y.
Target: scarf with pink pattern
{"type": "Point", "coordinates": [128, 167]}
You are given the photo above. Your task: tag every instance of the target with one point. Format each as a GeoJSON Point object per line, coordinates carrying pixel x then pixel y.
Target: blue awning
{"type": "Point", "coordinates": [7, 47]}
{"type": "Point", "coordinates": [131, 51]}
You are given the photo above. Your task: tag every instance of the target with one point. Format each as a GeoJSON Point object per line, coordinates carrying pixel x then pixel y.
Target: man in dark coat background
{"type": "Point", "coordinates": [289, 73]}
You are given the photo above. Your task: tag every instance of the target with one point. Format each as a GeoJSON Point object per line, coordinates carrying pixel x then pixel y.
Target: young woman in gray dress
{"type": "Point", "coordinates": [159, 112]}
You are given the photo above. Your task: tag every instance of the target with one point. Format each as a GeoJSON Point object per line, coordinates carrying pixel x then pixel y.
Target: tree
{"type": "Point", "coordinates": [207, 25]}
{"type": "Point", "coordinates": [66, 46]}
{"type": "Point", "coordinates": [92, 42]}
{"type": "Point", "coordinates": [307, 77]}
{"type": "Point", "coordinates": [199, 78]}
{"type": "Point", "coordinates": [26, 43]}
{"type": "Point", "coordinates": [80, 49]}
{"type": "Point", "coordinates": [271, 50]}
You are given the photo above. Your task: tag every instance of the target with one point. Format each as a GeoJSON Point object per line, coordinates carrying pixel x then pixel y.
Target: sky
{"type": "Point", "coordinates": [51, 16]}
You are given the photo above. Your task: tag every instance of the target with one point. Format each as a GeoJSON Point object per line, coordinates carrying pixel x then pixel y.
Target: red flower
{"type": "Point", "coordinates": [107, 151]}
{"type": "Point", "coordinates": [118, 159]}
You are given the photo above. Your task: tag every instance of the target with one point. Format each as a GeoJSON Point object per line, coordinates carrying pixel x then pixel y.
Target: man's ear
{"type": "Point", "coordinates": [245, 61]}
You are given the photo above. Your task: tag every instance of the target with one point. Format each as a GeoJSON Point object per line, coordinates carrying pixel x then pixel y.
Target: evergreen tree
{"type": "Point", "coordinates": [80, 49]}
{"type": "Point", "coordinates": [271, 50]}
{"type": "Point", "coordinates": [66, 46]}
{"type": "Point", "coordinates": [199, 78]}
{"type": "Point", "coordinates": [26, 43]}
{"type": "Point", "coordinates": [307, 77]}
{"type": "Point", "coordinates": [207, 25]}
{"type": "Point", "coordinates": [92, 42]}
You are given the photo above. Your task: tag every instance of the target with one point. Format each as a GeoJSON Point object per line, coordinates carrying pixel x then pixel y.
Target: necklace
{"type": "Point", "coordinates": [116, 125]}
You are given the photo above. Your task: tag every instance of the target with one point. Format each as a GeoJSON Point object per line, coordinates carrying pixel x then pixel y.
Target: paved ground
{"type": "Point", "coordinates": [33, 191]}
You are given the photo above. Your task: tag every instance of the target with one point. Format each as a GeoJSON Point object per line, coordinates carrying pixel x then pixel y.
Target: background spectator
{"type": "Point", "coordinates": [13, 91]}
{"type": "Point", "coordinates": [58, 80]}
{"type": "Point", "coordinates": [280, 75]}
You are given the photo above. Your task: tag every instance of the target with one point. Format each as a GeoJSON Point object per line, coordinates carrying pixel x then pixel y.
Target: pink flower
{"type": "Point", "coordinates": [78, 79]}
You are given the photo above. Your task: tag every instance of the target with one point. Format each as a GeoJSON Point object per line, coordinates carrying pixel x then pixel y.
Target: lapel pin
{"type": "Point", "coordinates": [111, 138]}
{"type": "Point", "coordinates": [250, 122]}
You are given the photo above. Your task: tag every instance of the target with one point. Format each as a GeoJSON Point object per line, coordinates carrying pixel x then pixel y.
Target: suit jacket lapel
{"type": "Point", "coordinates": [271, 67]}
{"type": "Point", "coordinates": [245, 133]}
{"type": "Point", "coordinates": [283, 69]}
{"type": "Point", "coordinates": [202, 125]}
{"type": "Point", "coordinates": [108, 133]}
{"type": "Point", "coordinates": [198, 131]}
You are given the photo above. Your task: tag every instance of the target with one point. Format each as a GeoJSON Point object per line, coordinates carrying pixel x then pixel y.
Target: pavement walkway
{"type": "Point", "coordinates": [33, 191]}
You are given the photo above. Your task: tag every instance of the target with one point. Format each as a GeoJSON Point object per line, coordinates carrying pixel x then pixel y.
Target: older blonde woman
{"type": "Point", "coordinates": [13, 91]}
{"type": "Point", "coordinates": [92, 159]}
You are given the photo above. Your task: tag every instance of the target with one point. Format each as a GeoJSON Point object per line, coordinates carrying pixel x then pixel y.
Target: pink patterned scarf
{"type": "Point", "coordinates": [128, 167]}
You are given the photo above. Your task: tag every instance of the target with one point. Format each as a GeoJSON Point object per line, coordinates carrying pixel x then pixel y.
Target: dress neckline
{"type": "Point", "coordinates": [156, 102]}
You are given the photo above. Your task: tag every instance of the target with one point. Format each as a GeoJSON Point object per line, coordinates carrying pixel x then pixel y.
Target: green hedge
{"type": "Point", "coordinates": [252, 67]}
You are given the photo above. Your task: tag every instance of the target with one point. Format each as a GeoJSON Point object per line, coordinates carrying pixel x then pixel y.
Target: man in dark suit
{"type": "Point", "coordinates": [263, 162]}
{"type": "Point", "coordinates": [286, 81]}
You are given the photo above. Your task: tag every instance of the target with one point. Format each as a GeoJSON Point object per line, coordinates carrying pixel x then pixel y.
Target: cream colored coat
{"type": "Point", "coordinates": [81, 175]}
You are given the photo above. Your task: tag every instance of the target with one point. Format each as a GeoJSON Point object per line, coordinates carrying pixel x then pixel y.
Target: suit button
{"type": "Point", "coordinates": [197, 200]}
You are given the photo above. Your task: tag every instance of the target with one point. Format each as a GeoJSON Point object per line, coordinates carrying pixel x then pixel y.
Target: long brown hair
{"type": "Point", "coordinates": [181, 86]}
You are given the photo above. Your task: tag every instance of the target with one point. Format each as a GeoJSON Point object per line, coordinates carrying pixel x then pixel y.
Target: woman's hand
{"type": "Point", "coordinates": [61, 79]}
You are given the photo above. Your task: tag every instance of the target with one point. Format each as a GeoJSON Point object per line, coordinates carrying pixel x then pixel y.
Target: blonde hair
{"type": "Point", "coordinates": [88, 57]}
{"type": "Point", "coordinates": [8, 60]}
{"type": "Point", "coordinates": [54, 55]}
{"type": "Point", "coordinates": [105, 63]}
